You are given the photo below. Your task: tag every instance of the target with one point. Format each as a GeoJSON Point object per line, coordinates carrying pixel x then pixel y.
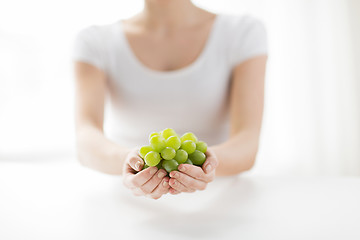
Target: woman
{"type": "Point", "coordinates": [172, 65]}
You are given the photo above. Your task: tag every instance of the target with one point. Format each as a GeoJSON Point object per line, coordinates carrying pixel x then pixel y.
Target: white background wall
{"type": "Point", "coordinates": [311, 123]}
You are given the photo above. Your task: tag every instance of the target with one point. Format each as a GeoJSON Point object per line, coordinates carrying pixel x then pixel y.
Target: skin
{"type": "Point", "coordinates": [150, 182]}
{"type": "Point", "coordinates": [160, 36]}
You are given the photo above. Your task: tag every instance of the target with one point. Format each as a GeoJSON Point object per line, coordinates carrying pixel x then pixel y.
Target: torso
{"type": "Point", "coordinates": [182, 83]}
{"type": "Point", "coordinates": [179, 85]}
{"type": "Point", "coordinates": [171, 50]}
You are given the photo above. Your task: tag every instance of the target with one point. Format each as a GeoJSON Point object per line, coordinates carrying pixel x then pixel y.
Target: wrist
{"type": "Point", "coordinates": [121, 154]}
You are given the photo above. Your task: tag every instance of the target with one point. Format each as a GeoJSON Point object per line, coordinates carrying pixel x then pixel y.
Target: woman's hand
{"type": "Point", "coordinates": [150, 182]}
{"type": "Point", "coordinates": [190, 178]}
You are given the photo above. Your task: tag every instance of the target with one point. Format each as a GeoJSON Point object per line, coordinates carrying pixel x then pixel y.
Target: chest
{"type": "Point", "coordinates": [166, 51]}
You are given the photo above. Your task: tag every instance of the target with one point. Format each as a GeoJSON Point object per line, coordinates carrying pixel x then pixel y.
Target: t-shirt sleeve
{"type": "Point", "coordinates": [87, 47]}
{"type": "Point", "coordinates": [249, 40]}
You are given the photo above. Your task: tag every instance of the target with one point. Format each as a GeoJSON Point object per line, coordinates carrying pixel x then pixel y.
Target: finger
{"type": "Point", "coordinates": [211, 162]}
{"type": "Point", "coordinates": [194, 172]}
{"type": "Point", "coordinates": [138, 192]}
{"type": "Point", "coordinates": [173, 191]}
{"type": "Point", "coordinates": [161, 189]}
{"type": "Point", "coordinates": [136, 162]}
{"type": "Point", "coordinates": [187, 181]}
{"type": "Point", "coordinates": [150, 185]}
{"type": "Point", "coordinates": [140, 178]}
{"type": "Point", "coordinates": [178, 186]}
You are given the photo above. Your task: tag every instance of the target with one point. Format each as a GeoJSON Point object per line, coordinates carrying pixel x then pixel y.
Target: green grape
{"type": "Point", "coordinates": [144, 150]}
{"type": "Point", "coordinates": [152, 158]}
{"type": "Point", "coordinates": [170, 165]}
{"type": "Point", "coordinates": [145, 166]}
{"type": "Point", "coordinates": [189, 136]}
{"type": "Point", "coordinates": [181, 156]}
{"type": "Point", "coordinates": [188, 161]}
{"type": "Point", "coordinates": [153, 134]}
{"type": "Point", "coordinates": [157, 142]}
{"type": "Point", "coordinates": [168, 132]}
{"type": "Point", "coordinates": [201, 146]}
{"type": "Point", "coordinates": [168, 153]}
{"type": "Point", "coordinates": [173, 142]}
{"type": "Point", "coordinates": [189, 146]}
{"type": "Point", "coordinates": [197, 157]}
{"type": "Point", "coordinates": [159, 166]}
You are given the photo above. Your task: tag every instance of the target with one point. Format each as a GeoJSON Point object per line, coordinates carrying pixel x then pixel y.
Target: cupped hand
{"type": "Point", "coordinates": [150, 182]}
{"type": "Point", "coordinates": [190, 178]}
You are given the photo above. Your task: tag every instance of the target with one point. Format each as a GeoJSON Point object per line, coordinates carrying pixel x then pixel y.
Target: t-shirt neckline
{"type": "Point", "coordinates": [186, 69]}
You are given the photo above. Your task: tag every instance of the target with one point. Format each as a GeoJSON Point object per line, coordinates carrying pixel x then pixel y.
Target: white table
{"type": "Point", "coordinates": [62, 200]}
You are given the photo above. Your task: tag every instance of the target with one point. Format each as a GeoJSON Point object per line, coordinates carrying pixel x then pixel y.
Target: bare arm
{"type": "Point", "coordinates": [99, 153]}
{"type": "Point", "coordinates": [239, 152]}
{"type": "Point", "coordinates": [246, 110]}
{"type": "Point", "coordinates": [94, 149]}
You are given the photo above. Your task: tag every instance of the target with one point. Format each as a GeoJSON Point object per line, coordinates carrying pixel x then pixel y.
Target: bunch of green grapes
{"type": "Point", "coordinates": [167, 150]}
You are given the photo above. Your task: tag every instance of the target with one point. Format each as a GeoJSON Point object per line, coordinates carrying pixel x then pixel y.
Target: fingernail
{"type": "Point", "coordinates": [208, 168]}
{"type": "Point", "coordinates": [153, 170]}
{"type": "Point", "coordinates": [161, 174]}
{"type": "Point", "coordinates": [165, 183]}
{"type": "Point", "coordinates": [137, 165]}
{"type": "Point", "coordinates": [175, 175]}
{"type": "Point", "coordinates": [181, 168]}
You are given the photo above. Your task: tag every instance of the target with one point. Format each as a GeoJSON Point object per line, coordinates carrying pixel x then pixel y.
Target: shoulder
{"type": "Point", "coordinates": [244, 36]}
{"type": "Point", "coordinates": [91, 44]}
{"type": "Point", "coordinates": [241, 23]}
{"type": "Point", "coordinates": [96, 37]}
{"type": "Point", "coordinates": [96, 32]}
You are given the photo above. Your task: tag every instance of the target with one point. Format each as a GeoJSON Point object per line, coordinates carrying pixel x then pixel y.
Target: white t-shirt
{"type": "Point", "coordinates": [194, 98]}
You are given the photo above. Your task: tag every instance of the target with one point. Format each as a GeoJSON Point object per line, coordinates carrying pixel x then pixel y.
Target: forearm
{"type": "Point", "coordinates": [97, 152]}
{"type": "Point", "coordinates": [237, 154]}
